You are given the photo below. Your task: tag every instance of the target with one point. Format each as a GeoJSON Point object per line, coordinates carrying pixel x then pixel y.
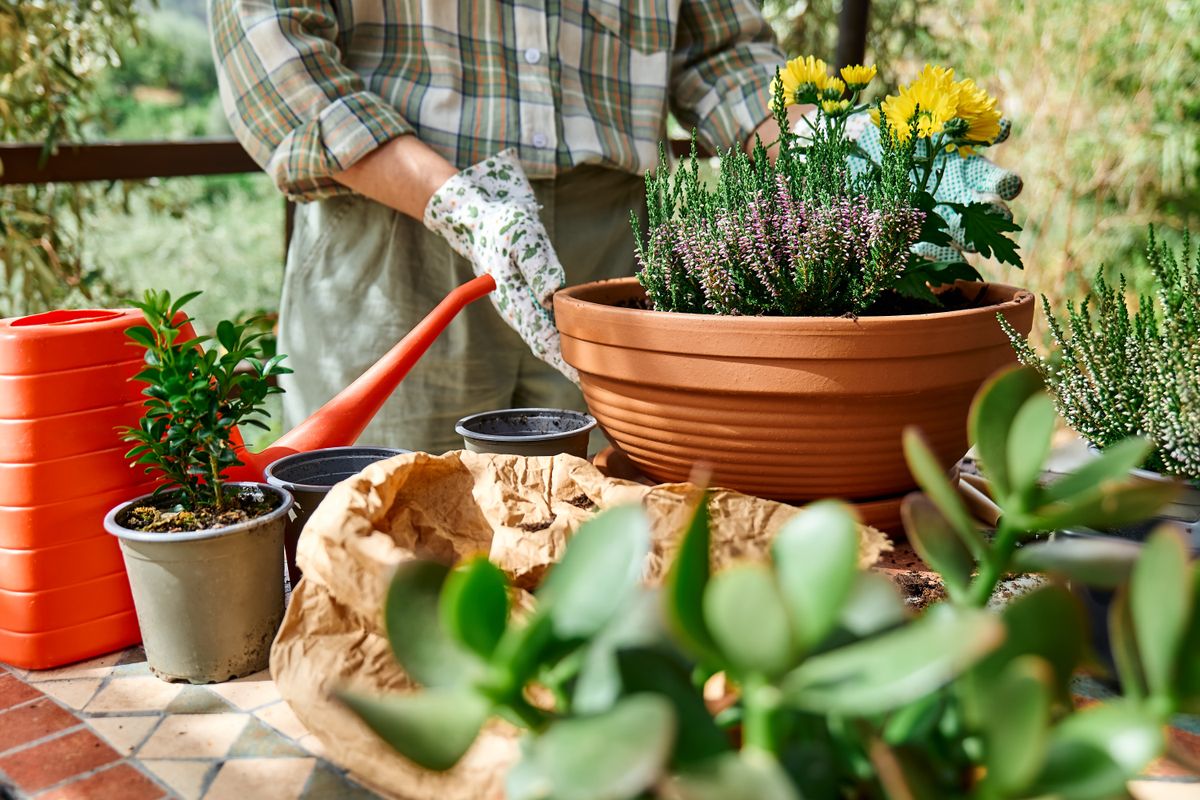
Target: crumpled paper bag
{"type": "Point", "coordinates": [521, 512]}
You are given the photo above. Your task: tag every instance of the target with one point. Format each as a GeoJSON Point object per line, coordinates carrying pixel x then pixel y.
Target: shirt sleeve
{"type": "Point", "coordinates": [724, 59]}
{"type": "Point", "coordinates": [296, 108]}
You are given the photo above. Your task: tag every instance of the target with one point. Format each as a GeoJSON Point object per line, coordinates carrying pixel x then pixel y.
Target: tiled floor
{"type": "Point", "coordinates": [107, 728]}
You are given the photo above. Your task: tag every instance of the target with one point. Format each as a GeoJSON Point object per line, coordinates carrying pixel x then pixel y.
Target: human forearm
{"type": "Point", "coordinates": [768, 131]}
{"type": "Point", "coordinates": [402, 174]}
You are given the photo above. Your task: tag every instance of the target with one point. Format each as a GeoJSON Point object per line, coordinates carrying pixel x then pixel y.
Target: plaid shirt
{"type": "Point", "coordinates": [311, 86]}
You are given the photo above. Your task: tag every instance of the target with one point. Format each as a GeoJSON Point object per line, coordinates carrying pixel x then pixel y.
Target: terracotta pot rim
{"type": "Point", "coordinates": [1017, 297]}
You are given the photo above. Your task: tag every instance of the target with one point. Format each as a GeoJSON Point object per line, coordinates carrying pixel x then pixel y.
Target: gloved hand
{"type": "Point", "coordinates": [489, 215]}
{"type": "Point", "coordinates": [967, 179]}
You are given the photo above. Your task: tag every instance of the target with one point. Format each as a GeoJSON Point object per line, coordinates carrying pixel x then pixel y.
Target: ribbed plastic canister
{"type": "Point", "coordinates": [65, 389]}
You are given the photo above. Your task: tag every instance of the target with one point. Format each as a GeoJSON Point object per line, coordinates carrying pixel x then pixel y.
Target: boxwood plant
{"type": "Point", "coordinates": [839, 691]}
{"type": "Point", "coordinates": [195, 398]}
{"type": "Point", "coordinates": [1119, 371]}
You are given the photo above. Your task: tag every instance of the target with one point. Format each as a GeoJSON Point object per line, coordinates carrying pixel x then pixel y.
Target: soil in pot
{"type": "Point", "coordinates": [527, 432]}
{"type": "Point", "coordinates": [168, 515]}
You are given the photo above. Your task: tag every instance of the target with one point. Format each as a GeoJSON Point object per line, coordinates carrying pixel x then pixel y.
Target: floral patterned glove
{"type": "Point", "coordinates": [489, 215]}
{"type": "Point", "coordinates": [965, 179]}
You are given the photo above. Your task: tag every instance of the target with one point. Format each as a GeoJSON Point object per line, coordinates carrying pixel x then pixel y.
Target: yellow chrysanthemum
{"type": "Point", "coordinates": [803, 79]}
{"type": "Point", "coordinates": [835, 107]}
{"type": "Point", "coordinates": [979, 115]}
{"type": "Point", "coordinates": [834, 89]}
{"type": "Point", "coordinates": [932, 99]}
{"type": "Point", "coordinates": [858, 76]}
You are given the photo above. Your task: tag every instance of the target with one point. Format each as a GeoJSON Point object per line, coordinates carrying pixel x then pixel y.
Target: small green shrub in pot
{"type": "Point", "coordinates": [204, 556]}
{"type": "Point", "coordinates": [839, 691]}
{"type": "Point", "coordinates": [1120, 371]}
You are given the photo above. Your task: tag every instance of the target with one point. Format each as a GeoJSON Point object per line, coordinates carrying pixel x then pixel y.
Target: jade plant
{"type": "Point", "coordinates": [824, 223]}
{"type": "Point", "coordinates": [1119, 371]}
{"type": "Point", "coordinates": [195, 398]}
{"type": "Point", "coordinates": [837, 690]}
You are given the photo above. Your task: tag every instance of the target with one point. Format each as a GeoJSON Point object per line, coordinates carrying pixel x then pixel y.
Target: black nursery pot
{"type": "Point", "coordinates": [309, 477]}
{"type": "Point", "coordinates": [527, 432]}
{"type": "Point", "coordinates": [1096, 602]}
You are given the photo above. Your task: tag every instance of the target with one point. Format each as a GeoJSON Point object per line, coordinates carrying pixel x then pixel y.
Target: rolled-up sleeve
{"type": "Point", "coordinates": [293, 104]}
{"type": "Point", "coordinates": [725, 56]}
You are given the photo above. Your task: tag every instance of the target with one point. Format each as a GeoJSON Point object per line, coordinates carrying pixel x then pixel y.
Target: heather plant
{"type": "Point", "coordinates": [1120, 371]}
{"type": "Point", "coordinates": [835, 690]}
{"type": "Point", "coordinates": [812, 224]}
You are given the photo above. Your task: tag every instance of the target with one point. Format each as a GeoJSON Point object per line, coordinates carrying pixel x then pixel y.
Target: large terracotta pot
{"type": "Point", "coordinates": [788, 408]}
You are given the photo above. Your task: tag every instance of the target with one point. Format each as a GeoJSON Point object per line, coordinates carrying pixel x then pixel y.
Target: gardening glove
{"type": "Point", "coordinates": [966, 179]}
{"type": "Point", "coordinates": [489, 215]}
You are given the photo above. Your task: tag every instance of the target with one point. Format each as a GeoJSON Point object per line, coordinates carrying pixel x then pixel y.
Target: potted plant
{"type": "Point", "coordinates": [204, 556]}
{"type": "Point", "coordinates": [1119, 371]}
{"type": "Point", "coordinates": [832, 688]}
{"type": "Point", "coordinates": [780, 329]}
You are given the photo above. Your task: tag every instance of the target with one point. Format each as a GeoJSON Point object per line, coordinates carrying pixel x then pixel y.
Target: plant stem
{"type": "Point", "coordinates": [216, 481]}
{"type": "Point", "coordinates": [760, 704]}
{"type": "Point", "coordinates": [530, 715]}
{"type": "Point", "coordinates": [995, 564]}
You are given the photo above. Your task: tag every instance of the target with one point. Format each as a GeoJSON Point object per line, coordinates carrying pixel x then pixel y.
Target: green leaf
{"type": "Point", "coordinates": [931, 476]}
{"type": "Point", "coordinates": [685, 583]}
{"type": "Point", "coordinates": [1123, 643]}
{"type": "Point", "coordinates": [1093, 753]}
{"type": "Point", "coordinates": [922, 274]}
{"type": "Point", "coordinates": [1029, 443]}
{"type": "Point", "coordinates": [816, 561]}
{"type": "Point", "coordinates": [414, 627]}
{"type": "Point", "coordinates": [984, 228]}
{"type": "Point", "coordinates": [599, 571]}
{"type": "Point", "coordinates": [1100, 561]}
{"type": "Point", "coordinates": [433, 728]}
{"type": "Point", "coordinates": [874, 605]}
{"type": "Point", "coordinates": [611, 756]}
{"type": "Point", "coordinates": [936, 541]}
{"type": "Point", "coordinates": [1047, 623]}
{"type": "Point", "coordinates": [745, 614]}
{"type": "Point", "coordinates": [698, 738]}
{"type": "Point", "coordinates": [227, 335]}
{"type": "Point", "coordinates": [1018, 724]}
{"type": "Point", "coordinates": [1160, 597]}
{"type": "Point", "coordinates": [1189, 653]}
{"type": "Point", "coordinates": [474, 605]}
{"type": "Point", "coordinates": [1107, 506]}
{"type": "Point", "coordinates": [895, 668]}
{"type": "Point", "coordinates": [1112, 464]}
{"type": "Point", "coordinates": [749, 775]}
{"type": "Point", "coordinates": [637, 624]}
{"type": "Point", "coordinates": [180, 303]}
{"type": "Point", "coordinates": [142, 335]}
{"type": "Point", "coordinates": [991, 420]}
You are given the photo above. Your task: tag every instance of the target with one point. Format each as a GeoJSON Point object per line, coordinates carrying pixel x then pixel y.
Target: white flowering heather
{"type": "Point", "coordinates": [800, 236]}
{"type": "Point", "coordinates": [1119, 372]}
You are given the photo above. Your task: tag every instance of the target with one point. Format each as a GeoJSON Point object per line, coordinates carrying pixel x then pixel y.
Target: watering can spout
{"type": "Point", "coordinates": [340, 421]}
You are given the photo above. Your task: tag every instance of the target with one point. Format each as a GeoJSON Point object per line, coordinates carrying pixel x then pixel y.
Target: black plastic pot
{"type": "Point", "coordinates": [309, 477]}
{"type": "Point", "coordinates": [527, 432]}
{"type": "Point", "coordinates": [1096, 602]}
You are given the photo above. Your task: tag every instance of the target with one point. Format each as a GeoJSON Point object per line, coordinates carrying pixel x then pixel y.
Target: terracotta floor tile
{"type": "Point", "coordinates": [92, 668]}
{"type": "Point", "coordinates": [73, 693]}
{"type": "Point", "coordinates": [14, 691]}
{"type": "Point", "coordinates": [121, 781]}
{"type": "Point", "coordinates": [261, 778]}
{"type": "Point", "coordinates": [33, 721]}
{"type": "Point", "coordinates": [186, 778]}
{"type": "Point", "coordinates": [54, 761]}
{"type": "Point", "coordinates": [134, 694]}
{"type": "Point", "coordinates": [1164, 790]}
{"type": "Point", "coordinates": [194, 736]}
{"type": "Point", "coordinates": [125, 734]}
{"type": "Point", "coordinates": [281, 717]}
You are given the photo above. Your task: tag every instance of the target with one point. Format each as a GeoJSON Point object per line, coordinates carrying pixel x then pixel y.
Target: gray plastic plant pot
{"type": "Point", "coordinates": [208, 602]}
{"type": "Point", "coordinates": [309, 476]}
{"type": "Point", "coordinates": [527, 432]}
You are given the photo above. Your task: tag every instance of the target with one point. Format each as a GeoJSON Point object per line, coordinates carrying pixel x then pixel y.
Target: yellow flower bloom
{"type": "Point", "coordinates": [931, 101]}
{"type": "Point", "coordinates": [835, 107]}
{"type": "Point", "coordinates": [977, 109]}
{"type": "Point", "coordinates": [858, 76]}
{"type": "Point", "coordinates": [803, 79]}
{"type": "Point", "coordinates": [834, 89]}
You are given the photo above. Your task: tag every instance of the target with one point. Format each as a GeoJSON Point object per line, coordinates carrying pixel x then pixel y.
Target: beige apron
{"type": "Point", "coordinates": [359, 276]}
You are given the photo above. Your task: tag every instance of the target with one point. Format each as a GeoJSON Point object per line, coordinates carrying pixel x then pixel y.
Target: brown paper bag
{"type": "Point", "coordinates": [520, 511]}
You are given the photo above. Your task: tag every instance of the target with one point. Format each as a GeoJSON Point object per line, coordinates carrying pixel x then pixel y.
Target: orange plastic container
{"type": "Point", "coordinates": [64, 389]}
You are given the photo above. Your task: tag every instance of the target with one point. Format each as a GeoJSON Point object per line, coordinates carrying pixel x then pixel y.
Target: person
{"type": "Point", "coordinates": [431, 140]}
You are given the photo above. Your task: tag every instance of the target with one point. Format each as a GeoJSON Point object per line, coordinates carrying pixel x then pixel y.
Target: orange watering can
{"type": "Point", "coordinates": [64, 389]}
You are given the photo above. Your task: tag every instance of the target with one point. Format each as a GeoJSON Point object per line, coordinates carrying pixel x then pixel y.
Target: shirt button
{"type": "Point", "coordinates": [533, 55]}
{"type": "Point", "coordinates": [539, 140]}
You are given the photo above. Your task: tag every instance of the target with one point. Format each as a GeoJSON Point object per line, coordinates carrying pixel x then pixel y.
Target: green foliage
{"type": "Point", "coordinates": [1121, 371]}
{"type": "Point", "coordinates": [839, 692]}
{"type": "Point", "coordinates": [195, 398]}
